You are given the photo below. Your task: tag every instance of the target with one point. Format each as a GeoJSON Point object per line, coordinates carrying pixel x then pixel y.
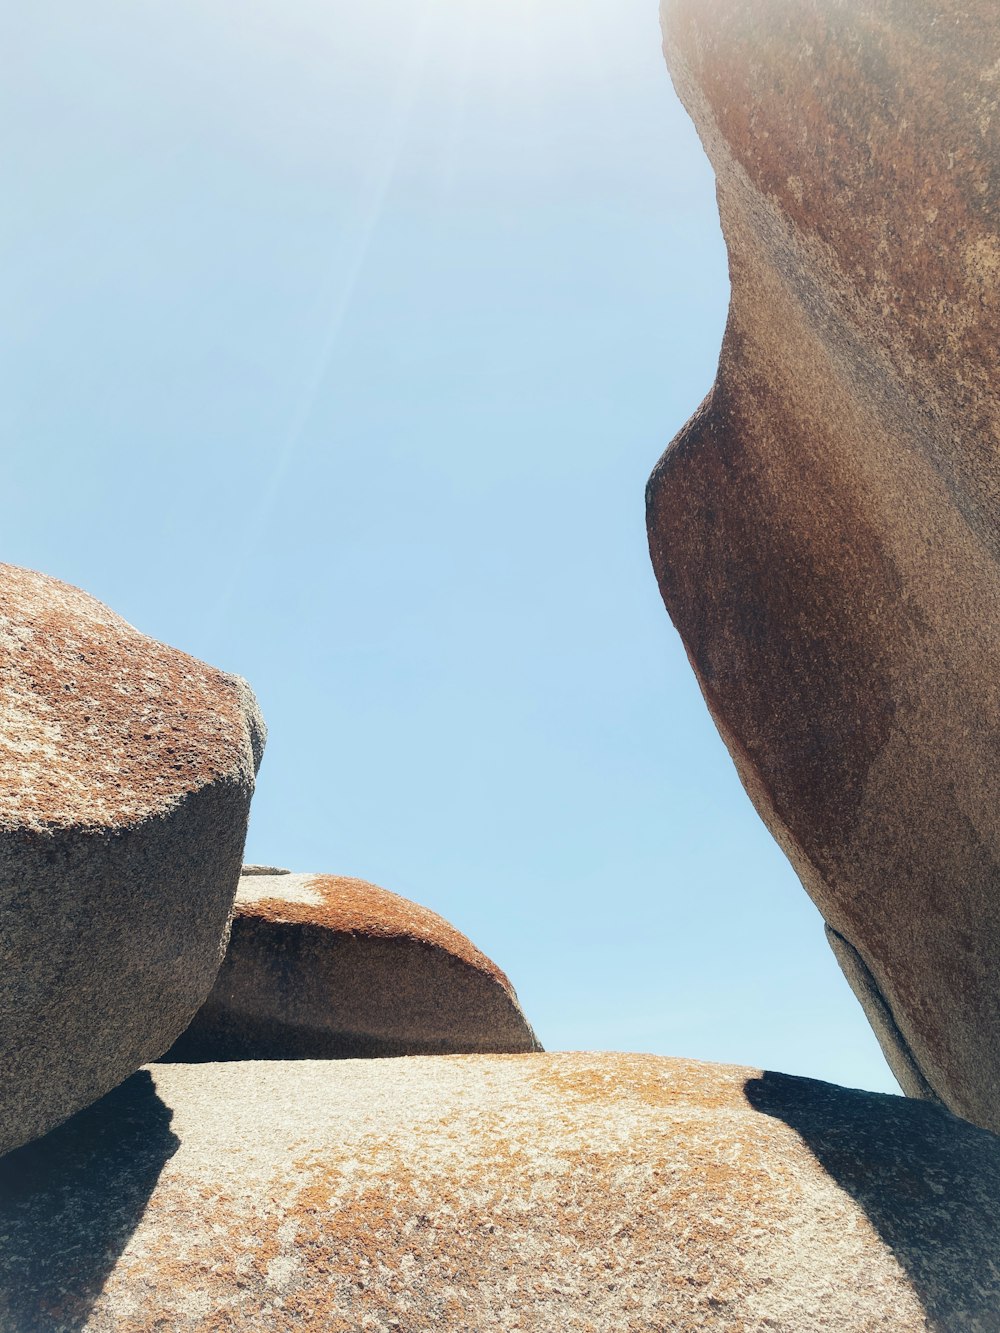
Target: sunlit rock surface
{"type": "Point", "coordinates": [324, 966]}
{"type": "Point", "coordinates": [126, 771]}
{"type": "Point", "coordinates": [825, 529]}
{"type": "Point", "coordinates": [536, 1192]}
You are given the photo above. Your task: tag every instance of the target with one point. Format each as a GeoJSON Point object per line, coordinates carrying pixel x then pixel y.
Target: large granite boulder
{"type": "Point", "coordinates": [538, 1192]}
{"type": "Point", "coordinates": [825, 529]}
{"type": "Point", "coordinates": [126, 770]}
{"type": "Point", "coordinates": [322, 966]}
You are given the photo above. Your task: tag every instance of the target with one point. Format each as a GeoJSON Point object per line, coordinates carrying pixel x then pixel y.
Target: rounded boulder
{"type": "Point", "coordinates": [326, 966]}
{"type": "Point", "coordinates": [126, 772]}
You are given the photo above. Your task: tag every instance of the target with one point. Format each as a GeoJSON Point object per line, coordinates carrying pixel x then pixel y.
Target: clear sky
{"type": "Point", "coordinates": [340, 340]}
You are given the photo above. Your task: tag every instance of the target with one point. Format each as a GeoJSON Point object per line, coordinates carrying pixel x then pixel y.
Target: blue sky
{"type": "Point", "coordinates": [342, 339]}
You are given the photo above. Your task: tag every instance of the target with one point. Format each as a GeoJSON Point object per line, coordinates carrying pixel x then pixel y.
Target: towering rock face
{"type": "Point", "coordinates": [328, 967]}
{"type": "Point", "coordinates": [126, 771]}
{"type": "Point", "coordinates": [825, 530]}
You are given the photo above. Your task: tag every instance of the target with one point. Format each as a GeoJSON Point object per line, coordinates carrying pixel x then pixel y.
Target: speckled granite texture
{"type": "Point", "coordinates": [826, 529]}
{"type": "Point", "coordinates": [543, 1193]}
{"type": "Point", "coordinates": [126, 771]}
{"type": "Point", "coordinates": [323, 966]}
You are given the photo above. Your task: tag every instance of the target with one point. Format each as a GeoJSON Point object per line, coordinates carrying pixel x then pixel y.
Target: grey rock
{"type": "Point", "coordinates": [324, 966]}
{"type": "Point", "coordinates": [126, 771]}
{"type": "Point", "coordinates": [491, 1193]}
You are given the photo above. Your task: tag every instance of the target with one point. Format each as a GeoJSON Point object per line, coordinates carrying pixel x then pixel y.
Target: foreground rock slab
{"type": "Point", "coordinates": [537, 1192]}
{"type": "Point", "coordinates": [126, 771]}
{"type": "Point", "coordinates": [323, 966]}
{"type": "Point", "coordinates": [826, 529]}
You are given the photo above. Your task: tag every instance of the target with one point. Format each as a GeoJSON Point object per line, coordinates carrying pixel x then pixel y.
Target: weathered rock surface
{"type": "Point", "coordinates": [126, 770]}
{"type": "Point", "coordinates": [321, 966]}
{"type": "Point", "coordinates": [825, 529]}
{"type": "Point", "coordinates": [537, 1192]}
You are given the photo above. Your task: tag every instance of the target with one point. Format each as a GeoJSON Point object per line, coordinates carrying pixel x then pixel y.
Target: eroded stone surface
{"type": "Point", "coordinates": [327, 966]}
{"type": "Point", "coordinates": [126, 771]}
{"type": "Point", "coordinates": [825, 530]}
{"type": "Point", "coordinates": [538, 1192]}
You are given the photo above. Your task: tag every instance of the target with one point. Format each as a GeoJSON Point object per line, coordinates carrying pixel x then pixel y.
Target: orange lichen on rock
{"type": "Point", "coordinates": [354, 907]}
{"type": "Point", "coordinates": [578, 1192]}
{"type": "Point", "coordinates": [325, 966]}
{"type": "Point", "coordinates": [99, 724]}
{"type": "Point", "coordinates": [126, 772]}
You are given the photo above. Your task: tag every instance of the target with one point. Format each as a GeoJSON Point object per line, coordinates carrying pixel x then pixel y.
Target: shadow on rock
{"type": "Point", "coordinates": [221, 1040]}
{"type": "Point", "coordinates": [69, 1203]}
{"type": "Point", "coordinates": [928, 1183]}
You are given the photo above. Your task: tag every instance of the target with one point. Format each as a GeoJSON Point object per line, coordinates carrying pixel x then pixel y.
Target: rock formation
{"type": "Point", "coordinates": [538, 1192]}
{"type": "Point", "coordinates": [322, 966]}
{"type": "Point", "coordinates": [825, 529]}
{"type": "Point", "coordinates": [126, 770]}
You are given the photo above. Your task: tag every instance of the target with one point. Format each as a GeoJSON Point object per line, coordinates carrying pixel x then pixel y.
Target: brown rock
{"type": "Point", "coordinates": [825, 529]}
{"type": "Point", "coordinates": [320, 966]}
{"type": "Point", "coordinates": [540, 1192]}
{"type": "Point", "coordinates": [126, 770]}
